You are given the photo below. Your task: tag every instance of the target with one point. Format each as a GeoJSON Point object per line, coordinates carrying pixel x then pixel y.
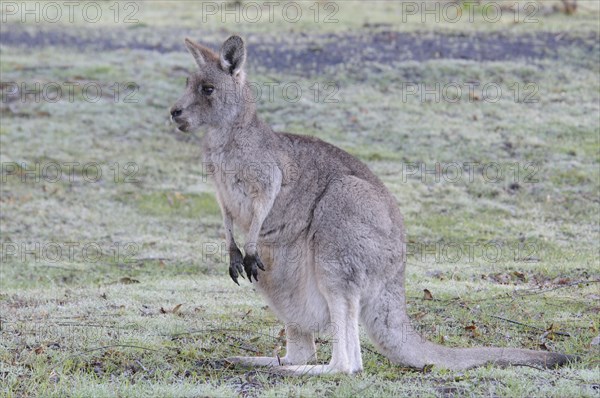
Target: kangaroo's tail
{"type": "Point", "coordinates": [390, 329]}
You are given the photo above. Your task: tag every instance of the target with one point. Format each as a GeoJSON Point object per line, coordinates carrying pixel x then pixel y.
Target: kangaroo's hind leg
{"type": "Point", "coordinates": [351, 241]}
{"type": "Point", "coordinates": [346, 355]}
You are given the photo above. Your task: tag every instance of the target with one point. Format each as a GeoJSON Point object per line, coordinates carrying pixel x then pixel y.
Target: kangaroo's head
{"type": "Point", "coordinates": [214, 92]}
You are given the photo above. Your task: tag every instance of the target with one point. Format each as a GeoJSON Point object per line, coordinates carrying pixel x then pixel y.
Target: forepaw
{"type": "Point", "coordinates": [235, 264]}
{"type": "Point", "coordinates": [251, 264]}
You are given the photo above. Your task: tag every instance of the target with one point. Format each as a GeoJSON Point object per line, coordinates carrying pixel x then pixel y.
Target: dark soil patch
{"type": "Point", "coordinates": [309, 54]}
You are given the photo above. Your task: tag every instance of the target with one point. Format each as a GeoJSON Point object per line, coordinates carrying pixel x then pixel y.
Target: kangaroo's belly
{"type": "Point", "coordinates": [290, 287]}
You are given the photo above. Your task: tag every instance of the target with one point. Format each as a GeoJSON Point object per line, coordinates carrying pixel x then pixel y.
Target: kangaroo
{"type": "Point", "coordinates": [324, 238]}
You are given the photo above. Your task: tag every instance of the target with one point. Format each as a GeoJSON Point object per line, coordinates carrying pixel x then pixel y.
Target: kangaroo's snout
{"type": "Point", "coordinates": [176, 112]}
{"type": "Point", "coordinates": [183, 125]}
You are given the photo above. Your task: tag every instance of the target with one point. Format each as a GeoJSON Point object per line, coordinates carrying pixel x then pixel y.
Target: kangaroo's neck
{"type": "Point", "coordinates": [245, 130]}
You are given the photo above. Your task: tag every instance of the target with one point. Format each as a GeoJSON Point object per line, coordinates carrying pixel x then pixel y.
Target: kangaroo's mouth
{"type": "Point", "coordinates": [183, 127]}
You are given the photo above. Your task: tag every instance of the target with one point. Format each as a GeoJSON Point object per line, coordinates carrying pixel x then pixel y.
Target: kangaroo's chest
{"type": "Point", "coordinates": [234, 185]}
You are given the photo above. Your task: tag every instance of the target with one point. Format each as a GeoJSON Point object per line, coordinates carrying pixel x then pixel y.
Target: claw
{"type": "Point", "coordinates": [251, 265]}
{"type": "Point", "coordinates": [259, 263]}
{"type": "Point", "coordinates": [249, 271]}
{"type": "Point", "coordinates": [233, 274]}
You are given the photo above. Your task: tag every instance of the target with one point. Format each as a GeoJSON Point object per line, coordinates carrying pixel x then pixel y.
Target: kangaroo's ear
{"type": "Point", "coordinates": [233, 56]}
{"type": "Point", "coordinates": [200, 53]}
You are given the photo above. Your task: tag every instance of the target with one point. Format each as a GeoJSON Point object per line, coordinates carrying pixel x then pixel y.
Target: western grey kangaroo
{"type": "Point", "coordinates": [295, 194]}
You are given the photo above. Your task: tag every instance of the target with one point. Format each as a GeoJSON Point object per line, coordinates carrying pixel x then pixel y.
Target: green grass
{"type": "Point", "coordinates": [243, 16]}
{"type": "Point", "coordinates": [154, 312]}
{"type": "Point", "coordinates": [175, 204]}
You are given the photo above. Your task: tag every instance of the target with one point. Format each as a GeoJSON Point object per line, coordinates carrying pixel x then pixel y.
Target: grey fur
{"type": "Point", "coordinates": [325, 229]}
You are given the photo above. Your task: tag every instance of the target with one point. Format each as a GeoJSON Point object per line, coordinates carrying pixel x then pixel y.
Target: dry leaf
{"type": "Point", "coordinates": [520, 275]}
{"type": "Point", "coordinates": [40, 350]}
{"type": "Point", "coordinates": [175, 309]}
{"type": "Point", "coordinates": [427, 295]}
{"type": "Point", "coordinates": [562, 281]}
{"type": "Point", "coordinates": [420, 315]}
{"type": "Point", "coordinates": [473, 329]}
{"type": "Point", "coordinates": [179, 196]}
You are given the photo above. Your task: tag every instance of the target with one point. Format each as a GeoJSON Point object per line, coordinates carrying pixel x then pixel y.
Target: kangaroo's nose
{"type": "Point", "coordinates": [176, 112]}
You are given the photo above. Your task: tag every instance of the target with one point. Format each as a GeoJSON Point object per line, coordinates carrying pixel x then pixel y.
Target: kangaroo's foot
{"type": "Point", "coordinates": [251, 264]}
{"type": "Point", "coordinates": [283, 366]}
{"type": "Point", "coordinates": [262, 361]}
{"type": "Point", "coordinates": [314, 370]}
{"type": "Point", "coordinates": [255, 361]}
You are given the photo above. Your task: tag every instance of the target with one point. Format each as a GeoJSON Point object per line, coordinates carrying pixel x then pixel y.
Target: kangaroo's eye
{"type": "Point", "coordinates": [207, 90]}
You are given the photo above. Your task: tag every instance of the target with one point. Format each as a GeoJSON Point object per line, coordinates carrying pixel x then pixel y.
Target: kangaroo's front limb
{"type": "Point", "coordinates": [235, 255]}
{"type": "Point", "coordinates": [263, 194]}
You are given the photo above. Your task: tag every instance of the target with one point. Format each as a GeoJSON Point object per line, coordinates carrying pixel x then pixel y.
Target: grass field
{"type": "Point", "coordinates": [113, 269]}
